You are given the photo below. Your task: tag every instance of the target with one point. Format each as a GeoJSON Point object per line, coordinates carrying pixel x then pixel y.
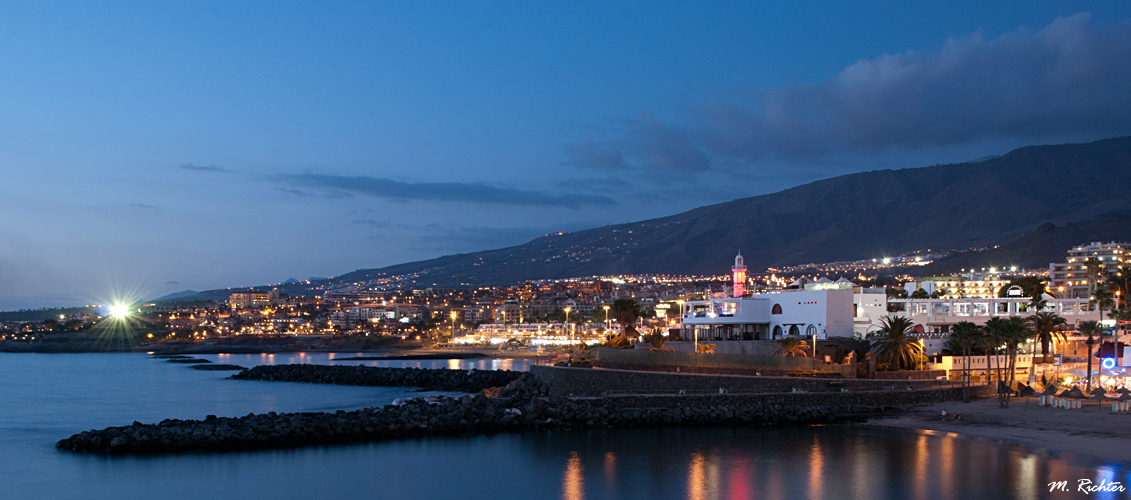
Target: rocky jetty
{"type": "Point", "coordinates": [520, 405]}
{"type": "Point", "coordinates": [218, 367]}
{"type": "Point", "coordinates": [425, 379]}
{"type": "Point", "coordinates": [192, 361]}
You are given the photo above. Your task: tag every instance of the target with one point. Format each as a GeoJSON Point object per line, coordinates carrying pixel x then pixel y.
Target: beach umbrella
{"type": "Point", "coordinates": [1049, 391]}
{"type": "Point", "coordinates": [1027, 391]}
{"type": "Point", "coordinates": [1074, 392]}
{"type": "Point", "coordinates": [1098, 391]}
{"type": "Point", "coordinates": [1074, 373]}
{"type": "Point", "coordinates": [1124, 391]}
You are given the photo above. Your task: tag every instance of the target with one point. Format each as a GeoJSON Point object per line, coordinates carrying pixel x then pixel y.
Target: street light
{"type": "Point", "coordinates": [453, 315]}
{"type": "Point", "coordinates": [606, 308]}
{"type": "Point", "coordinates": [567, 323]}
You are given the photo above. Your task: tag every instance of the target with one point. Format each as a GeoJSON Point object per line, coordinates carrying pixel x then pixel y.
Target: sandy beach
{"type": "Point", "coordinates": [1090, 431]}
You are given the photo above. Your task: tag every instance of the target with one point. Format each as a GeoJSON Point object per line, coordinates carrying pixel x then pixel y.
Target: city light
{"type": "Point", "coordinates": [119, 311]}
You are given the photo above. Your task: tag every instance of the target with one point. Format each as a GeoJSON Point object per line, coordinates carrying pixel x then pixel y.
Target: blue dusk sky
{"type": "Point", "coordinates": [153, 147]}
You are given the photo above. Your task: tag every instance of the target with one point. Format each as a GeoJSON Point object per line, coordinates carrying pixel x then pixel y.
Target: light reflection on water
{"type": "Point", "coordinates": [334, 358]}
{"type": "Point", "coordinates": [47, 397]}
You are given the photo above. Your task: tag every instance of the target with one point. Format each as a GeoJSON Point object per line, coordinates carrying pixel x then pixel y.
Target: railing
{"type": "Point", "coordinates": [722, 391]}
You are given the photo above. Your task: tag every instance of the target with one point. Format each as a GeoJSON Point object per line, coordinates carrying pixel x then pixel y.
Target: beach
{"type": "Point", "coordinates": [1090, 431]}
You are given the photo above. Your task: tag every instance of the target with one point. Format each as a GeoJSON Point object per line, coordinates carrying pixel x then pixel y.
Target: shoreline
{"type": "Point", "coordinates": [1090, 432]}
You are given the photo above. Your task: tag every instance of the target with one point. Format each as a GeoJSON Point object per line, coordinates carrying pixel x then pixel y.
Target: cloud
{"type": "Point", "coordinates": [172, 283]}
{"type": "Point", "coordinates": [644, 143]}
{"type": "Point", "coordinates": [142, 205]}
{"type": "Point", "coordinates": [203, 168]}
{"type": "Point", "coordinates": [1066, 80]}
{"type": "Point", "coordinates": [371, 223]}
{"type": "Point", "coordinates": [437, 191]}
{"type": "Point", "coordinates": [593, 154]}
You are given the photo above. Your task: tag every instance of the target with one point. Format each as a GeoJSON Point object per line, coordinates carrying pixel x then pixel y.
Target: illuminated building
{"type": "Point", "coordinates": [739, 278]}
{"type": "Point", "coordinates": [1070, 279]}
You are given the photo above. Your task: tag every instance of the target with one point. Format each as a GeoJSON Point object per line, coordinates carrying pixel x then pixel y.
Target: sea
{"type": "Point", "coordinates": [47, 397]}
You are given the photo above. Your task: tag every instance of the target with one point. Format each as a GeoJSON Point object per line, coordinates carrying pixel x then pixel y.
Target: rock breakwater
{"type": "Point", "coordinates": [521, 404]}
{"type": "Point", "coordinates": [425, 379]}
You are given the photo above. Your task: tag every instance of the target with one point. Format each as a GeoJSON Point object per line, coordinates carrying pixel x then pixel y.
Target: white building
{"type": "Point", "coordinates": [768, 316]}
{"type": "Point", "coordinates": [1070, 279]}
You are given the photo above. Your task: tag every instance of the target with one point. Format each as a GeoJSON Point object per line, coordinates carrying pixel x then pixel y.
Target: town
{"type": "Point", "coordinates": [738, 313]}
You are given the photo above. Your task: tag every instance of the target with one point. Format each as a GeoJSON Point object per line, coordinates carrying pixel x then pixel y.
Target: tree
{"type": "Point", "coordinates": [1091, 329]}
{"type": "Point", "coordinates": [792, 346]}
{"type": "Point", "coordinates": [1014, 332]}
{"type": "Point", "coordinates": [657, 340]}
{"type": "Point", "coordinates": [1121, 277]}
{"type": "Point", "coordinates": [1103, 299]}
{"type": "Point", "coordinates": [1031, 286]}
{"type": "Point", "coordinates": [920, 294]}
{"type": "Point", "coordinates": [626, 312]}
{"type": "Point", "coordinates": [991, 342]}
{"type": "Point", "coordinates": [1046, 327]}
{"type": "Point", "coordinates": [896, 341]}
{"type": "Point", "coordinates": [1095, 268]}
{"type": "Point", "coordinates": [965, 335]}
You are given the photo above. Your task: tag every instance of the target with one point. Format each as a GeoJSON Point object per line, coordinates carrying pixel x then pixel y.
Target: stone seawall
{"type": "Point", "coordinates": [425, 379]}
{"type": "Point", "coordinates": [590, 382]}
{"type": "Point", "coordinates": [518, 406]}
{"type": "Point", "coordinates": [522, 403]}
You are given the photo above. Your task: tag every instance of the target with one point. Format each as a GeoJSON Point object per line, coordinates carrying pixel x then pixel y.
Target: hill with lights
{"type": "Point", "coordinates": [1034, 202]}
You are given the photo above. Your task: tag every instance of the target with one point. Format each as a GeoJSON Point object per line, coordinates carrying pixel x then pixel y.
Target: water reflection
{"type": "Point", "coordinates": [696, 478]}
{"type": "Point", "coordinates": [332, 358]}
{"type": "Point", "coordinates": [573, 479]}
{"type": "Point", "coordinates": [824, 462]}
{"type": "Point", "coordinates": [816, 469]}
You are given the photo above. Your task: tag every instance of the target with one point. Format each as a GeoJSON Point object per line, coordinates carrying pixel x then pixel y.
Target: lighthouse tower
{"type": "Point", "coordinates": [739, 271]}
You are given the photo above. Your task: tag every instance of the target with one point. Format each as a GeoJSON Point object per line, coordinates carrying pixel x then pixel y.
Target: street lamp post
{"type": "Point", "coordinates": [453, 315]}
{"type": "Point", "coordinates": [606, 308]}
{"type": "Point", "coordinates": [567, 324]}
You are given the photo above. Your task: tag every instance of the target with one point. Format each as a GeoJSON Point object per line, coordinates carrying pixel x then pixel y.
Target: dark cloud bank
{"type": "Point", "coordinates": [1067, 81]}
{"type": "Point", "coordinates": [436, 191]}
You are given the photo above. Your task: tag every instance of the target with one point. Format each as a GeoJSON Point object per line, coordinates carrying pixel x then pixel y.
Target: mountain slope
{"type": "Point", "coordinates": [1048, 243]}
{"type": "Point", "coordinates": [854, 216]}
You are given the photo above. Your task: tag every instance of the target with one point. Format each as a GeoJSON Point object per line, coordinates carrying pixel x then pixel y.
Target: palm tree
{"type": "Point", "coordinates": [626, 312]}
{"type": "Point", "coordinates": [1103, 299]}
{"type": "Point", "coordinates": [896, 341]}
{"type": "Point", "coordinates": [657, 341]}
{"type": "Point", "coordinates": [964, 336]}
{"type": "Point", "coordinates": [1095, 269]}
{"type": "Point", "coordinates": [792, 346]}
{"type": "Point", "coordinates": [1046, 327]}
{"type": "Point", "coordinates": [991, 342]}
{"type": "Point", "coordinates": [1015, 333]}
{"type": "Point", "coordinates": [1091, 329]}
{"type": "Point", "coordinates": [1122, 276]}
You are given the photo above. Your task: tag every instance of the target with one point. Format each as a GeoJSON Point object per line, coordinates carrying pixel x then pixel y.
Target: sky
{"type": "Point", "coordinates": [153, 147]}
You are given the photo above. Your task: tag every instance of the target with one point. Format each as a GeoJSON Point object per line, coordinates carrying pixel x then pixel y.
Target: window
{"type": "Point", "coordinates": [776, 309]}
{"type": "Point", "coordinates": [810, 331]}
{"type": "Point", "coordinates": [777, 331]}
{"type": "Point", "coordinates": [794, 331]}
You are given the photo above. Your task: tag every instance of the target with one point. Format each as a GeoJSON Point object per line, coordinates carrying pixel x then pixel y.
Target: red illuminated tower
{"type": "Point", "coordinates": [739, 271]}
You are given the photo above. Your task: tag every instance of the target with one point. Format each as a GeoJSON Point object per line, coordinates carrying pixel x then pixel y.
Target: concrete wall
{"type": "Point", "coordinates": [870, 398]}
{"type": "Point", "coordinates": [594, 382]}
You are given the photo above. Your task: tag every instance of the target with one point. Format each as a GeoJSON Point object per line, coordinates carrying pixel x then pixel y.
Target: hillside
{"type": "Point", "coordinates": [849, 217]}
{"type": "Point", "coordinates": [1046, 244]}
{"type": "Point", "coordinates": [865, 215]}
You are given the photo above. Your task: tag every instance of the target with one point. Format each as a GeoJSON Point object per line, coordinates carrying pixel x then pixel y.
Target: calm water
{"type": "Point", "coordinates": [47, 397]}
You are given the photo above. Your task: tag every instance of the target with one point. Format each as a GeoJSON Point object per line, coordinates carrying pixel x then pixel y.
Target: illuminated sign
{"type": "Point", "coordinates": [1108, 363]}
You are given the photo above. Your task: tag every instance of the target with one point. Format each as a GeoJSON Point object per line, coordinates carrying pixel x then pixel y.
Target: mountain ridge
{"type": "Point", "coordinates": [850, 217]}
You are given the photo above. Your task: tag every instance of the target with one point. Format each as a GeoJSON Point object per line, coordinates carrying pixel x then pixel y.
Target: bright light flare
{"type": "Point", "coordinates": [119, 311]}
